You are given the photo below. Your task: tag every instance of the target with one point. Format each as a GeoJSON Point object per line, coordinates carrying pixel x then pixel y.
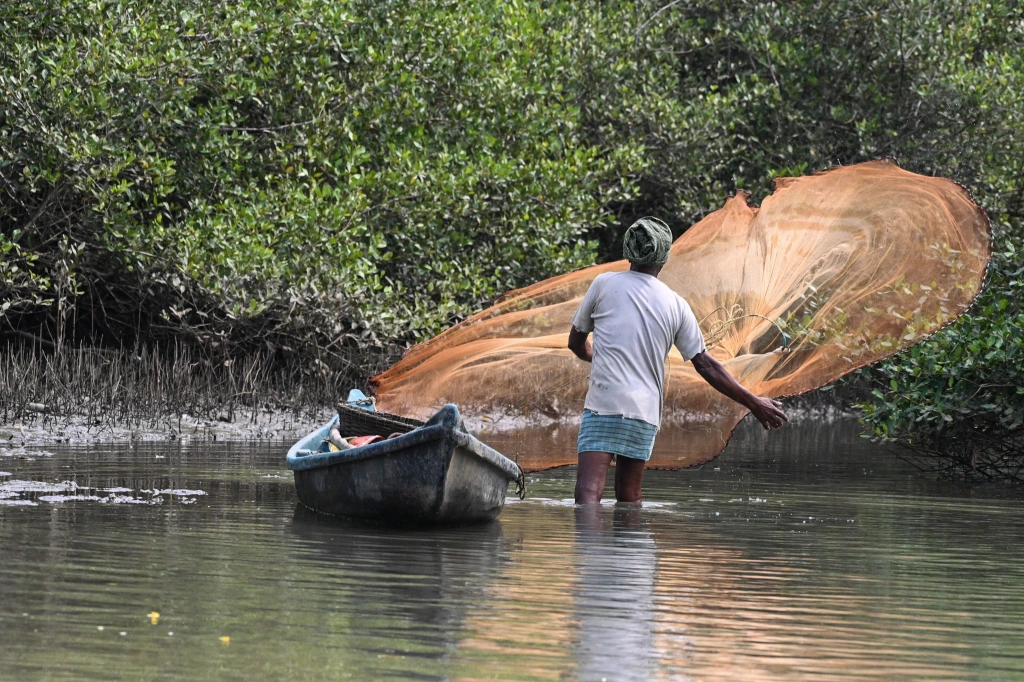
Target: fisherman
{"type": "Point", "coordinates": [635, 319]}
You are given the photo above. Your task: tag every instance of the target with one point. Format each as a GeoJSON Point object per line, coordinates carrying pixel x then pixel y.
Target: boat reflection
{"type": "Point", "coordinates": [412, 588]}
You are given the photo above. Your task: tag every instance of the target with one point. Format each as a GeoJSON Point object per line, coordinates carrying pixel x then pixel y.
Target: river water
{"type": "Point", "coordinates": [807, 555]}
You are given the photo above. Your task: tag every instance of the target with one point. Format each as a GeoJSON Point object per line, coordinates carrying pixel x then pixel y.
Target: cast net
{"type": "Point", "coordinates": [843, 268]}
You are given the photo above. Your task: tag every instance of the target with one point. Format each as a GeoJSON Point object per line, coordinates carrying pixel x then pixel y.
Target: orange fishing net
{"type": "Point", "coordinates": [844, 267]}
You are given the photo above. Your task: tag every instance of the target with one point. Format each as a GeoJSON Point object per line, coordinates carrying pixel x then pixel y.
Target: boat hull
{"type": "Point", "coordinates": [436, 474]}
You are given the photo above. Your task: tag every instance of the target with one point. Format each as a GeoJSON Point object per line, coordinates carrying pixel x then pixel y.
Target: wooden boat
{"type": "Point", "coordinates": [434, 472]}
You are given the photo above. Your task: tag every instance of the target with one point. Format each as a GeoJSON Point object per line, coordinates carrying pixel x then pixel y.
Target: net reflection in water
{"type": "Point", "coordinates": [844, 267]}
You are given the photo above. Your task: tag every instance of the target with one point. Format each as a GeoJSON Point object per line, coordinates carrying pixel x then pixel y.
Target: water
{"type": "Point", "coordinates": [811, 555]}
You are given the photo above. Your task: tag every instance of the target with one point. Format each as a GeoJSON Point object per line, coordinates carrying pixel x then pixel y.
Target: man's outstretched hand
{"type": "Point", "coordinates": [765, 409]}
{"type": "Point", "coordinates": [768, 412]}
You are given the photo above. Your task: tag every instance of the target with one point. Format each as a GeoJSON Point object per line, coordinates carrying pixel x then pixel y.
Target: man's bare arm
{"type": "Point", "coordinates": [766, 410]}
{"type": "Point", "coordinates": [580, 345]}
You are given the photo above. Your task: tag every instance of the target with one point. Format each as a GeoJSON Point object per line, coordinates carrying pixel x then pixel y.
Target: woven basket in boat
{"type": "Point", "coordinates": [355, 421]}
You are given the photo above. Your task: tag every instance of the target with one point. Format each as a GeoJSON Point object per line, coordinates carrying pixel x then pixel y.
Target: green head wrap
{"type": "Point", "coordinates": [647, 242]}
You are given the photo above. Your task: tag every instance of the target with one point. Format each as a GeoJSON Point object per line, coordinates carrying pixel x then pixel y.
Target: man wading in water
{"type": "Point", "coordinates": [635, 319]}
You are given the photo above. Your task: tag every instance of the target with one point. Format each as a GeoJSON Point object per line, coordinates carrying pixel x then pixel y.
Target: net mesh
{"type": "Point", "coordinates": [843, 268]}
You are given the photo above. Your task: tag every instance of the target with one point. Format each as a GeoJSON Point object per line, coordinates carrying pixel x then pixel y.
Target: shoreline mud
{"type": "Point", "coordinates": [75, 430]}
{"type": "Point", "coordinates": [83, 396]}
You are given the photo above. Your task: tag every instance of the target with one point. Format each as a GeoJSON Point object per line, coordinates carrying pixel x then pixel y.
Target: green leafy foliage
{"type": "Point", "coordinates": [731, 95]}
{"type": "Point", "coordinates": [958, 399]}
{"type": "Point", "coordinates": [289, 171]}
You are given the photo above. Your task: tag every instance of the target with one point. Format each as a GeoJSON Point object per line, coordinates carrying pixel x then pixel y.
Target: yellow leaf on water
{"type": "Point", "coordinates": [225, 640]}
{"type": "Point", "coordinates": [154, 617]}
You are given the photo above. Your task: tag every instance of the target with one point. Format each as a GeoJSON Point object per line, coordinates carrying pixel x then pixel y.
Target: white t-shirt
{"type": "Point", "coordinates": [635, 319]}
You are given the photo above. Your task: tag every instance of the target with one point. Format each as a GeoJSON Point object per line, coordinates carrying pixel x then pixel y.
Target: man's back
{"type": "Point", "coordinates": [635, 319]}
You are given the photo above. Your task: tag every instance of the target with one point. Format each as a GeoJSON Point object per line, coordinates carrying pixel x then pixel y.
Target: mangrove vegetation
{"type": "Point", "coordinates": [322, 183]}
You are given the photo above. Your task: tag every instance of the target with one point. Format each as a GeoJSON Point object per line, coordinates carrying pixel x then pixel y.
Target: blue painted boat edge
{"type": "Point", "coordinates": [297, 461]}
{"type": "Point", "coordinates": [310, 442]}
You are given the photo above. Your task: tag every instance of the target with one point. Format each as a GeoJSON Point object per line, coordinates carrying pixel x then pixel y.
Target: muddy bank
{"type": "Point", "coordinates": [78, 430]}
{"type": "Point", "coordinates": [83, 396]}
{"type": "Point", "coordinates": [47, 430]}
{"type": "Point", "coordinates": [80, 396]}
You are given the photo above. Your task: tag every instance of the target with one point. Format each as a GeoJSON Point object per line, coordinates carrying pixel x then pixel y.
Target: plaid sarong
{"type": "Point", "coordinates": [616, 434]}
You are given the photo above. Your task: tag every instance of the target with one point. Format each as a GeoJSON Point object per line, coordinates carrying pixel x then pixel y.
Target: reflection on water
{"type": "Point", "coordinates": [613, 600]}
{"type": "Point", "coordinates": [809, 555]}
{"type": "Point", "coordinates": [412, 587]}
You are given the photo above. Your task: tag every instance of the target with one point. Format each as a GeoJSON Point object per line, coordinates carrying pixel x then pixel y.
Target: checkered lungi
{"type": "Point", "coordinates": [616, 434]}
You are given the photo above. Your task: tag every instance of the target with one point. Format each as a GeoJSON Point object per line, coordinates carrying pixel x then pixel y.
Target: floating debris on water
{"type": "Point", "coordinates": [570, 502]}
{"type": "Point", "coordinates": [124, 499]}
{"type": "Point", "coordinates": [69, 491]}
{"type": "Point", "coordinates": [18, 486]}
{"type": "Point", "coordinates": [24, 453]}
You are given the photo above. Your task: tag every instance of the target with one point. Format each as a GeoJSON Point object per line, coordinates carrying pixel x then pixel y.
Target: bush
{"type": "Point", "coordinates": [957, 400]}
{"type": "Point", "coordinates": [301, 174]}
{"type": "Point", "coordinates": [730, 95]}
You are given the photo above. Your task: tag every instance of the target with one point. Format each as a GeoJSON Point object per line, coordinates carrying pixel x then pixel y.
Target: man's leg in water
{"type": "Point", "coordinates": [592, 472]}
{"type": "Point", "coordinates": [591, 475]}
{"type": "Point", "coordinates": [629, 475]}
